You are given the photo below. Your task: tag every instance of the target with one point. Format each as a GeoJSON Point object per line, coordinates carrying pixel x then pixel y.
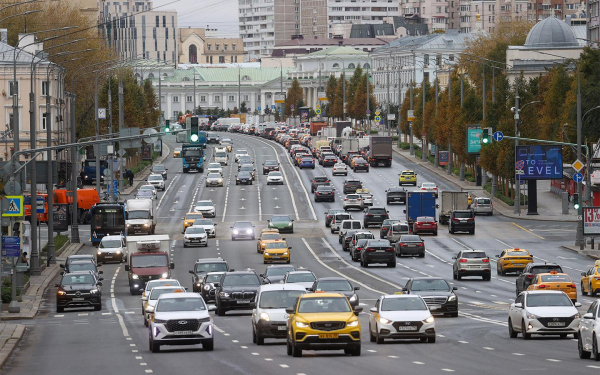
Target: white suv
{"type": "Point", "coordinates": [543, 312]}
{"type": "Point", "coordinates": [269, 316]}
{"type": "Point", "coordinates": [157, 181]}
{"type": "Point", "coordinates": [181, 319]}
{"type": "Point", "coordinates": [589, 333]}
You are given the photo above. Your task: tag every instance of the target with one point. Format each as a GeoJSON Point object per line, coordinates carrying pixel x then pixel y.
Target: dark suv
{"type": "Point", "coordinates": [319, 180]}
{"type": "Point", "coordinates": [325, 193]}
{"type": "Point", "coordinates": [395, 195]}
{"type": "Point", "coordinates": [378, 251]}
{"type": "Point", "coordinates": [375, 215]}
{"type": "Point", "coordinates": [350, 186]}
{"type": "Point", "coordinates": [462, 221]}
{"type": "Point", "coordinates": [236, 291]}
{"type": "Point", "coordinates": [270, 166]}
{"type": "Point", "coordinates": [526, 277]}
{"type": "Point", "coordinates": [204, 266]}
{"type": "Point", "coordinates": [361, 165]}
{"type": "Point", "coordinates": [79, 289]}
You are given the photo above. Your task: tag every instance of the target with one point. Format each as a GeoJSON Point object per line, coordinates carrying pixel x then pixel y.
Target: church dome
{"type": "Point", "coordinates": [551, 33]}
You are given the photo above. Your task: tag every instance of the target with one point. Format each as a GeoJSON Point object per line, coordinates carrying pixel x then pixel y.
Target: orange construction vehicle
{"type": "Point", "coordinates": [86, 198]}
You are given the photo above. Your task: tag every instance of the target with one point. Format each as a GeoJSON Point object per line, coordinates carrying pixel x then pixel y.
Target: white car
{"type": "Point", "coordinates": [214, 179]}
{"type": "Point", "coordinates": [543, 312]}
{"type": "Point", "coordinates": [429, 187]}
{"type": "Point", "coordinates": [240, 152]}
{"type": "Point", "coordinates": [269, 319]}
{"type": "Point", "coordinates": [401, 316]}
{"type": "Point", "coordinates": [589, 333]}
{"type": "Point", "coordinates": [151, 284]}
{"type": "Point", "coordinates": [353, 201]}
{"type": "Point", "coordinates": [215, 168]}
{"type": "Point", "coordinates": [221, 157]}
{"type": "Point", "coordinates": [111, 249]}
{"type": "Point", "coordinates": [153, 298]}
{"type": "Point", "coordinates": [220, 149]}
{"type": "Point", "coordinates": [157, 181]}
{"type": "Point", "coordinates": [149, 188]}
{"type": "Point", "coordinates": [340, 168]}
{"type": "Point", "coordinates": [206, 208]}
{"type": "Point", "coordinates": [275, 178]}
{"type": "Point", "coordinates": [195, 236]}
{"type": "Point", "coordinates": [304, 278]}
{"type": "Point", "coordinates": [367, 199]}
{"type": "Point", "coordinates": [188, 319]}
{"type": "Point", "coordinates": [208, 225]}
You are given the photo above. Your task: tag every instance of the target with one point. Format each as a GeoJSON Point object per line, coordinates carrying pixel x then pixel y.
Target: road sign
{"type": "Point", "coordinates": [377, 112]}
{"type": "Point", "coordinates": [410, 115]}
{"type": "Point", "coordinates": [368, 112]}
{"type": "Point", "coordinates": [11, 246]}
{"type": "Point", "coordinates": [391, 117]}
{"type": "Point", "coordinates": [39, 205]}
{"type": "Point", "coordinates": [498, 136]}
{"type": "Point", "coordinates": [272, 106]}
{"type": "Point", "coordinates": [12, 188]}
{"type": "Point", "coordinates": [150, 140]}
{"type": "Point", "coordinates": [520, 164]}
{"type": "Point", "coordinates": [577, 177]}
{"type": "Point", "coordinates": [15, 206]}
{"type": "Point", "coordinates": [578, 166]}
{"type": "Point", "coordinates": [318, 106]}
{"type": "Point", "coordinates": [292, 106]}
{"type": "Point", "coordinates": [318, 111]}
{"type": "Point", "coordinates": [259, 108]}
{"type": "Point", "coordinates": [519, 171]}
{"type": "Point", "coordinates": [280, 98]}
{"type": "Point", "coordinates": [102, 113]}
{"type": "Point", "coordinates": [377, 118]}
{"type": "Point", "coordinates": [121, 152]}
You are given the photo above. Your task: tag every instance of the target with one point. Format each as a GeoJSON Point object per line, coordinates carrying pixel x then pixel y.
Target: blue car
{"type": "Point", "coordinates": [307, 163]}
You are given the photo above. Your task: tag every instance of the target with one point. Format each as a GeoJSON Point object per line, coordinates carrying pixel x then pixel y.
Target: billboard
{"type": "Point", "coordinates": [591, 221]}
{"type": "Point", "coordinates": [540, 162]}
{"type": "Point", "coordinates": [474, 134]}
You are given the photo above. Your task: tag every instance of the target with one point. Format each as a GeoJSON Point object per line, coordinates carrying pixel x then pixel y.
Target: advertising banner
{"type": "Point", "coordinates": [591, 221]}
{"type": "Point", "coordinates": [443, 158]}
{"type": "Point", "coordinates": [61, 217]}
{"type": "Point", "coordinates": [474, 134]}
{"type": "Point", "coordinates": [540, 162]}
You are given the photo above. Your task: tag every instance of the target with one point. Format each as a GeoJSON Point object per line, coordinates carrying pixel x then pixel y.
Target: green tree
{"type": "Point", "coordinates": [352, 87]}
{"type": "Point", "coordinates": [331, 92]}
{"type": "Point", "coordinates": [295, 97]}
{"type": "Point", "coordinates": [243, 108]}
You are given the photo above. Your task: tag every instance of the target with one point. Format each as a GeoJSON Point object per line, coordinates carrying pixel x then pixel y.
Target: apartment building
{"type": "Point", "coordinates": [594, 21]}
{"type": "Point", "coordinates": [342, 14]}
{"type": "Point", "coordinates": [203, 46]}
{"type": "Point", "coordinates": [313, 19]}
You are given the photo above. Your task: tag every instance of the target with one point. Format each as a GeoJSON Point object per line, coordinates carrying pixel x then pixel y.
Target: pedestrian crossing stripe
{"type": "Point", "coordinates": [14, 206]}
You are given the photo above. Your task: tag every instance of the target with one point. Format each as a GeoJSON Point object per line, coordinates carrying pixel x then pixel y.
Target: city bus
{"type": "Point", "coordinates": [107, 219]}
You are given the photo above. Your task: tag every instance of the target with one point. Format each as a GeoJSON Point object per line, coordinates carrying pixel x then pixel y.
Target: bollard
{"type": "Point", "coordinates": [565, 202]}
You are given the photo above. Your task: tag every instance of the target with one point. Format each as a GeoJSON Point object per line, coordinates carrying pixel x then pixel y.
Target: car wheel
{"type": "Point", "coordinates": [392, 264]}
{"type": "Point", "coordinates": [454, 314]}
{"type": "Point", "coordinates": [511, 332]}
{"type": "Point", "coordinates": [458, 276]}
{"type": "Point", "coordinates": [132, 291]}
{"type": "Point", "coordinates": [289, 347]}
{"type": "Point", "coordinates": [582, 353]}
{"type": "Point", "coordinates": [259, 339]}
{"type": "Point", "coordinates": [453, 274]}
{"type": "Point", "coordinates": [592, 291]}
{"type": "Point", "coordinates": [185, 245]}
{"type": "Point", "coordinates": [296, 352]}
{"type": "Point", "coordinates": [472, 232]}
{"type": "Point", "coordinates": [98, 307]}
{"type": "Point", "coordinates": [220, 311]}
{"type": "Point", "coordinates": [371, 335]}
{"type": "Point", "coordinates": [583, 291]}
{"type": "Point", "coordinates": [422, 255]}
{"type": "Point", "coordinates": [154, 347]}
{"type": "Point", "coordinates": [450, 230]}
{"type": "Point", "coordinates": [526, 336]}
{"type": "Point", "coordinates": [208, 346]}
{"type": "Point", "coordinates": [431, 340]}
{"type": "Point", "coordinates": [60, 309]}
{"type": "Point", "coordinates": [378, 338]}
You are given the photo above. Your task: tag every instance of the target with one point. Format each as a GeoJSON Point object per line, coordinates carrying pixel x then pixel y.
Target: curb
{"type": "Point", "coordinates": [585, 253]}
{"type": "Point", "coordinates": [11, 344]}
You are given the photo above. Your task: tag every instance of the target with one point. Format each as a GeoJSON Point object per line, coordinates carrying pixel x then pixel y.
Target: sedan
{"type": "Point", "coordinates": [325, 193]}
{"type": "Point", "coordinates": [329, 160]}
{"type": "Point", "coordinates": [340, 168]}
{"type": "Point", "coordinates": [430, 187]}
{"type": "Point", "coordinates": [240, 152]}
{"type": "Point", "coordinates": [319, 180]}
{"type": "Point", "coordinates": [244, 159]}
{"type": "Point", "coordinates": [589, 333]}
{"type": "Point", "coordinates": [195, 236]}
{"type": "Point", "coordinates": [270, 166]}
{"type": "Point", "coordinates": [150, 188]}
{"type": "Point", "coordinates": [206, 208]}
{"type": "Point", "coordinates": [215, 168]}
{"type": "Point", "coordinates": [208, 225]}
{"type": "Point", "coordinates": [425, 224]}
{"type": "Point", "coordinates": [409, 244]}
{"type": "Point", "coordinates": [243, 230]}
{"type": "Point", "coordinates": [437, 293]}
{"type": "Point", "coordinates": [145, 194]}
{"type": "Point", "coordinates": [275, 178]}
{"type": "Point", "coordinates": [214, 179]}
{"type": "Point", "coordinates": [160, 169]}
{"type": "Point", "coordinates": [247, 168]}
{"type": "Point", "coordinates": [282, 222]}
{"type": "Point", "coordinates": [307, 162]}
{"type": "Point", "coordinates": [243, 178]}
{"type": "Point", "coordinates": [360, 164]}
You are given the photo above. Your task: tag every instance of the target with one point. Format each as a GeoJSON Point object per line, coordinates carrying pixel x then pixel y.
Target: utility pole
{"type": "Point", "coordinates": [424, 150]}
{"type": "Point", "coordinates": [517, 200]}
{"type": "Point", "coordinates": [75, 222]}
{"type": "Point", "coordinates": [97, 147]}
{"type": "Point", "coordinates": [35, 255]}
{"type": "Point", "coordinates": [110, 188]}
{"type": "Point", "coordinates": [50, 249]}
{"type": "Point", "coordinates": [368, 111]}
{"type": "Point", "coordinates": [412, 79]}
{"type": "Point", "coordinates": [479, 169]}
{"type": "Point", "coordinates": [450, 166]}
{"type": "Point", "coordinates": [387, 78]}
{"type": "Point", "coordinates": [121, 126]}
{"type": "Point", "coordinates": [579, 239]}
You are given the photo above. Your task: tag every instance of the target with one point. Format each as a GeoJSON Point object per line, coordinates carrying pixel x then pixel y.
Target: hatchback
{"type": "Point", "coordinates": [482, 206]}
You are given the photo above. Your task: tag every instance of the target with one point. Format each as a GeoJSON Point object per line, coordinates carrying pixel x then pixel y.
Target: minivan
{"type": "Point", "coordinates": [337, 220]}
{"type": "Point", "coordinates": [347, 225]}
{"type": "Point", "coordinates": [397, 230]}
{"type": "Point", "coordinates": [221, 157]}
{"type": "Point", "coordinates": [482, 206]}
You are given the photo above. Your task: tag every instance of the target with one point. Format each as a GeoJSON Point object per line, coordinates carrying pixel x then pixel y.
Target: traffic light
{"type": "Point", "coordinates": [487, 136]}
{"type": "Point", "coordinates": [167, 126]}
{"type": "Point", "coordinates": [194, 129]}
{"type": "Point", "coordinates": [576, 201]}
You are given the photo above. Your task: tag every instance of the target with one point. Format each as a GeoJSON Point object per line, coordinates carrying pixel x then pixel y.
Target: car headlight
{"type": "Point", "coordinates": [206, 287]}
{"type": "Point", "coordinates": [249, 231]}
{"type": "Point", "coordinates": [62, 293]}
{"type": "Point", "coordinates": [224, 295]}
{"type": "Point", "coordinates": [235, 231]}
{"type": "Point", "coordinates": [165, 275]}
{"type": "Point", "coordinates": [135, 276]}
{"type": "Point", "coordinates": [353, 323]}
{"type": "Point", "coordinates": [576, 316]}
{"type": "Point", "coordinates": [301, 325]}
{"type": "Point", "coordinates": [286, 253]}
{"type": "Point", "coordinates": [128, 225]}
{"type": "Point", "coordinates": [118, 251]}
{"type": "Point", "coordinates": [429, 319]}
{"type": "Point", "coordinates": [146, 225]}
{"type": "Point", "coordinates": [452, 298]}
{"type": "Point", "coordinates": [267, 254]}
{"type": "Point", "coordinates": [187, 237]}
{"type": "Point", "coordinates": [290, 224]}
{"type": "Point", "coordinates": [99, 252]}
{"type": "Point", "coordinates": [531, 316]}
{"type": "Point", "coordinates": [94, 291]}
{"type": "Point", "coordinates": [264, 316]}
{"type": "Point", "coordinates": [353, 298]}
{"type": "Point", "coordinates": [383, 320]}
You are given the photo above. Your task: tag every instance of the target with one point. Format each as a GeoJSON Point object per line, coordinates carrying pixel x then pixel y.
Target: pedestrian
{"type": "Point", "coordinates": [130, 176]}
{"type": "Point", "coordinates": [25, 259]}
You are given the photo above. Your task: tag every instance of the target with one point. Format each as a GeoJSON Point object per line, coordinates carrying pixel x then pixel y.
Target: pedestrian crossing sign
{"type": "Point", "coordinates": [14, 206]}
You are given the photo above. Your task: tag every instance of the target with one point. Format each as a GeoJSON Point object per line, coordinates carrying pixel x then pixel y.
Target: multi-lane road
{"type": "Point", "coordinates": [115, 340]}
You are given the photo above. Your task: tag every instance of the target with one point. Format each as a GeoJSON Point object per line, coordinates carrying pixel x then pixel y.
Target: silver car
{"type": "Point", "coordinates": [214, 179]}
{"type": "Point", "coordinates": [353, 201]}
{"type": "Point", "coordinates": [269, 319]}
{"type": "Point", "coordinates": [337, 220]}
{"type": "Point", "coordinates": [472, 263]}
{"type": "Point", "coordinates": [396, 231]}
{"type": "Point", "coordinates": [482, 206]}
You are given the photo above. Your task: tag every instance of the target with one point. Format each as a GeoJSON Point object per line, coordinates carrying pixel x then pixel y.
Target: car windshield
{"type": "Point", "coordinates": [205, 204]}
{"type": "Point", "coordinates": [213, 278]}
{"type": "Point", "coordinates": [221, 154]}
{"type": "Point", "coordinates": [158, 168]}
{"type": "Point", "coordinates": [483, 201]}
{"type": "Point", "coordinates": [280, 219]}
{"type": "Point", "coordinates": [362, 242]}
{"type": "Point", "coordinates": [144, 193]}
{"type": "Point", "coordinates": [193, 216]}
{"type": "Point", "coordinates": [203, 222]}
{"type": "Point", "coordinates": [211, 267]}
{"type": "Point", "coordinates": [195, 230]}
{"type": "Point", "coordinates": [82, 267]}
{"type": "Point", "coordinates": [242, 225]}
{"type": "Point", "coordinates": [545, 269]}
{"type": "Point", "coordinates": [270, 162]}
{"type": "Point", "coordinates": [307, 158]}
{"type": "Point", "coordinates": [334, 286]}
{"type": "Point", "coordinates": [556, 278]}
{"type": "Point", "coordinates": [277, 245]}
{"type": "Point", "coordinates": [107, 244]}
{"type": "Point", "coordinates": [148, 261]}
{"type": "Point", "coordinates": [241, 280]}
{"type": "Point", "coordinates": [463, 215]}
{"type": "Point", "coordinates": [352, 196]}
{"type": "Point", "coordinates": [275, 174]}
{"type": "Point", "coordinates": [383, 243]}
{"type": "Point", "coordinates": [548, 299]}
{"type": "Point", "coordinates": [279, 271]}
{"type": "Point", "coordinates": [377, 211]}
{"type": "Point", "coordinates": [77, 279]}
{"type": "Point", "coordinates": [403, 304]}
{"type": "Point", "coordinates": [517, 254]}
{"type": "Point", "coordinates": [324, 305]}
{"type": "Point", "coordinates": [410, 238]}
{"type": "Point", "coordinates": [156, 292]}
{"type": "Point", "coordinates": [430, 284]}
{"type": "Point", "coordinates": [147, 187]}
{"type": "Point", "coordinates": [242, 152]}
{"type": "Point", "coordinates": [325, 188]}
{"type": "Point", "coordinates": [271, 236]}
{"type": "Point", "coordinates": [425, 219]}
{"type": "Point", "coordinates": [180, 304]}
{"type": "Point", "coordinates": [154, 283]}
{"type": "Point", "coordinates": [247, 168]}
{"type": "Point", "coordinates": [214, 175]}
{"type": "Point", "coordinates": [155, 178]}
{"type": "Point", "coordinates": [352, 182]}
{"type": "Point", "coordinates": [364, 235]}
{"type": "Point", "coordinates": [400, 228]}
{"type": "Point", "coordinates": [278, 299]}
{"type": "Point", "coordinates": [244, 174]}
{"type": "Point", "coordinates": [214, 165]}
{"type": "Point", "coordinates": [473, 255]}
{"type": "Point", "coordinates": [301, 278]}
{"type": "Point", "coordinates": [390, 221]}
{"type": "Point", "coordinates": [408, 173]}
{"type": "Point", "coordinates": [428, 185]}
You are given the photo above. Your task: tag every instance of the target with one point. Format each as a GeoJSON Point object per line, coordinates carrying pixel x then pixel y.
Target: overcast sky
{"type": "Point", "coordinates": [216, 14]}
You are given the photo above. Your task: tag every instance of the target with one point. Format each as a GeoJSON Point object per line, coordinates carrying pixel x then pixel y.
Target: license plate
{"type": "Point", "coordinates": [275, 257]}
{"type": "Point", "coordinates": [182, 333]}
{"type": "Point", "coordinates": [435, 307]}
{"type": "Point", "coordinates": [281, 328]}
{"type": "Point", "coordinates": [328, 335]}
{"type": "Point", "coordinates": [407, 328]}
{"type": "Point", "coordinates": [380, 251]}
{"type": "Point", "coordinates": [243, 301]}
{"type": "Point", "coordinates": [79, 299]}
{"type": "Point", "coordinates": [517, 264]}
{"type": "Point", "coordinates": [556, 324]}
{"type": "Point", "coordinates": [108, 255]}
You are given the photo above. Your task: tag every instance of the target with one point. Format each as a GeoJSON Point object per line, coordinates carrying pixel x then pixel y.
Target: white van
{"type": "Point", "coordinates": [222, 156]}
{"type": "Point", "coordinates": [347, 225]}
{"type": "Point", "coordinates": [337, 220]}
{"type": "Point", "coordinates": [397, 230]}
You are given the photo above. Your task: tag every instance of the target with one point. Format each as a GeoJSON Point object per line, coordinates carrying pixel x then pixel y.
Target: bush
{"type": "Point", "coordinates": [6, 293]}
{"type": "Point", "coordinates": [373, 131]}
{"type": "Point", "coordinates": [406, 146]}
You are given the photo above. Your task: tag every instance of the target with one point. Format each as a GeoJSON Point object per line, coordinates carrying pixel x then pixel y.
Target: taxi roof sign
{"type": "Point", "coordinates": [597, 263]}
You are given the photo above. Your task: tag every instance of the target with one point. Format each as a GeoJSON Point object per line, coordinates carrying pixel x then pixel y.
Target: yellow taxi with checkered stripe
{"type": "Point", "coordinates": [277, 251]}
{"type": "Point", "coordinates": [323, 321]}
{"type": "Point", "coordinates": [555, 281]}
{"type": "Point", "coordinates": [407, 177]}
{"type": "Point", "coordinates": [590, 280]}
{"type": "Point", "coordinates": [513, 260]}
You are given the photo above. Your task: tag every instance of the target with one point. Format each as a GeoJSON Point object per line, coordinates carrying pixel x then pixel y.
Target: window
{"type": "Point", "coordinates": [246, 98]}
{"type": "Point", "coordinates": [351, 66]}
{"type": "Point", "coordinates": [426, 59]}
{"type": "Point", "coordinates": [231, 98]}
{"type": "Point", "coordinates": [176, 99]}
{"type": "Point", "coordinates": [225, 47]}
{"type": "Point", "coordinates": [162, 98]}
{"type": "Point", "coordinates": [233, 47]}
{"type": "Point", "coordinates": [296, 9]}
{"type": "Point", "coordinates": [217, 98]}
{"type": "Point", "coordinates": [13, 88]}
{"type": "Point", "coordinates": [189, 98]}
{"type": "Point", "coordinates": [175, 114]}
{"type": "Point", "coordinates": [193, 52]}
{"type": "Point", "coordinates": [164, 21]}
{"type": "Point", "coordinates": [157, 21]}
{"type": "Point", "coordinates": [44, 120]}
{"type": "Point", "coordinates": [221, 59]}
{"type": "Point", "coordinates": [202, 98]}
{"type": "Point", "coordinates": [217, 46]}
{"type": "Point", "coordinates": [210, 47]}
{"type": "Point", "coordinates": [45, 90]}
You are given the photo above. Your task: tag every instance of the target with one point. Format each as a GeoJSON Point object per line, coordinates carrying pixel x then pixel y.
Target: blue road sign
{"type": "Point", "coordinates": [259, 108]}
{"type": "Point", "coordinates": [40, 205]}
{"type": "Point", "coordinates": [11, 246]}
{"type": "Point", "coordinates": [15, 206]}
{"type": "Point", "coordinates": [577, 177]}
{"type": "Point", "coordinates": [498, 136]}
{"type": "Point", "coordinates": [272, 106]}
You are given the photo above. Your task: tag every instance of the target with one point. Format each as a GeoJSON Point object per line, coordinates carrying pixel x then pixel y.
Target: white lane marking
{"type": "Point", "coordinates": [441, 336]}
{"type": "Point", "coordinates": [393, 356]}
{"type": "Point", "coordinates": [148, 371]}
{"type": "Point", "coordinates": [504, 243]}
{"type": "Point", "coordinates": [135, 351]}
{"type": "Point", "coordinates": [447, 370]}
{"type": "Point", "coordinates": [268, 359]}
{"type": "Point", "coordinates": [258, 190]}
{"type": "Point", "coordinates": [234, 341]}
{"type": "Point", "coordinates": [83, 314]}
{"type": "Point", "coordinates": [464, 342]}
{"type": "Point", "coordinates": [418, 363]}
{"type": "Point", "coordinates": [255, 354]}
{"type": "Point", "coordinates": [553, 360]}
{"type": "Point", "coordinates": [518, 354]}
{"type": "Point", "coordinates": [58, 316]}
{"type": "Point", "coordinates": [372, 351]}
{"type": "Point", "coordinates": [284, 366]}
{"type": "Point", "coordinates": [592, 366]}
{"type": "Point", "coordinates": [166, 190]}
{"type": "Point", "coordinates": [461, 244]}
{"type": "Point", "coordinates": [244, 347]}
{"type": "Point", "coordinates": [116, 309]}
{"type": "Point", "coordinates": [143, 364]}
{"type": "Point", "coordinates": [225, 205]}
{"type": "Point", "coordinates": [193, 204]}
{"type": "Point", "coordinates": [488, 348]}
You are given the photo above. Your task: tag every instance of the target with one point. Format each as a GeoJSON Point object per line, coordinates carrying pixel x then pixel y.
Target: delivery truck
{"type": "Point", "coordinates": [141, 216]}
{"type": "Point", "coordinates": [452, 201]}
{"type": "Point", "coordinates": [148, 258]}
{"type": "Point", "coordinates": [419, 203]}
{"type": "Point", "coordinates": [380, 151]}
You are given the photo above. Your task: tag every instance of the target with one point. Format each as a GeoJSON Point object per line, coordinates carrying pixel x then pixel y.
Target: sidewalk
{"type": "Point", "coordinates": [141, 177]}
{"type": "Point", "coordinates": [587, 251]}
{"type": "Point", "coordinates": [549, 204]}
{"type": "Point", "coordinates": [10, 335]}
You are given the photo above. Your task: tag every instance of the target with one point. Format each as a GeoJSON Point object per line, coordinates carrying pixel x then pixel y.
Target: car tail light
{"type": "Point", "coordinates": [402, 244]}
{"type": "Point", "coordinates": [353, 242]}
{"type": "Point", "coordinates": [361, 200]}
{"type": "Point", "coordinates": [421, 244]}
{"type": "Point", "coordinates": [389, 249]}
{"type": "Point", "coordinates": [359, 248]}
{"type": "Point", "coordinates": [345, 199]}
{"type": "Point", "coordinates": [572, 286]}
{"type": "Point", "coordinates": [486, 260]}
{"type": "Point", "coordinates": [455, 219]}
{"type": "Point", "coordinates": [368, 214]}
{"type": "Point", "coordinates": [530, 276]}
{"type": "Point", "coordinates": [462, 260]}
{"type": "Point", "coordinates": [329, 216]}
{"type": "Point", "coordinates": [542, 286]}
{"type": "Point", "coordinates": [471, 219]}
{"type": "Point", "coordinates": [369, 249]}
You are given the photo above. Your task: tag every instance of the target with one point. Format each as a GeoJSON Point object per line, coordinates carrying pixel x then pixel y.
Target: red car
{"type": "Point", "coordinates": [425, 224]}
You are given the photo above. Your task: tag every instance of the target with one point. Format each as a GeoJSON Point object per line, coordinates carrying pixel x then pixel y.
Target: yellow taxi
{"type": "Point", "coordinates": [266, 236]}
{"type": "Point", "coordinates": [555, 281]}
{"type": "Point", "coordinates": [177, 152]}
{"type": "Point", "coordinates": [323, 321]}
{"type": "Point", "coordinates": [189, 218]}
{"type": "Point", "coordinates": [150, 303]}
{"type": "Point", "coordinates": [513, 260]}
{"type": "Point", "coordinates": [407, 177]}
{"type": "Point", "coordinates": [277, 251]}
{"type": "Point", "coordinates": [590, 280]}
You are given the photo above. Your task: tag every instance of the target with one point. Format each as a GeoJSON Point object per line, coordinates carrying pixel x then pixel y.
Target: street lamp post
{"type": "Point", "coordinates": [194, 112]}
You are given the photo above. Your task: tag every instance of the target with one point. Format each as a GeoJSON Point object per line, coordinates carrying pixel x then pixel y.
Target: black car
{"type": "Point", "coordinates": [385, 227]}
{"type": "Point", "coordinates": [395, 195]}
{"type": "Point", "coordinates": [345, 240]}
{"type": "Point", "coordinates": [247, 168]}
{"type": "Point", "coordinates": [242, 229]}
{"type": "Point", "coordinates": [319, 180]}
{"type": "Point", "coordinates": [75, 257]}
{"type": "Point", "coordinates": [236, 291]}
{"type": "Point", "coordinates": [410, 244]}
{"type": "Point", "coordinates": [378, 251]}
{"type": "Point", "coordinates": [160, 169]}
{"type": "Point", "coordinates": [356, 249]}
{"type": "Point", "coordinates": [82, 265]}
{"type": "Point", "coordinates": [375, 215]}
{"type": "Point", "coordinates": [213, 138]}
{"type": "Point", "coordinates": [350, 186]}
{"type": "Point", "coordinates": [361, 165]}
{"type": "Point", "coordinates": [207, 285]}
{"type": "Point", "coordinates": [79, 289]}
{"type": "Point", "coordinates": [325, 193]}
{"type": "Point", "coordinates": [329, 215]}
{"type": "Point", "coordinates": [204, 266]}
{"type": "Point", "coordinates": [437, 293]}
{"type": "Point", "coordinates": [274, 274]}
{"type": "Point", "coordinates": [243, 178]}
{"type": "Point", "coordinates": [270, 166]}
{"type": "Point", "coordinates": [329, 160]}
{"type": "Point", "coordinates": [462, 221]}
{"type": "Point", "coordinates": [337, 285]}
{"type": "Point", "coordinates": [526, 277]}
